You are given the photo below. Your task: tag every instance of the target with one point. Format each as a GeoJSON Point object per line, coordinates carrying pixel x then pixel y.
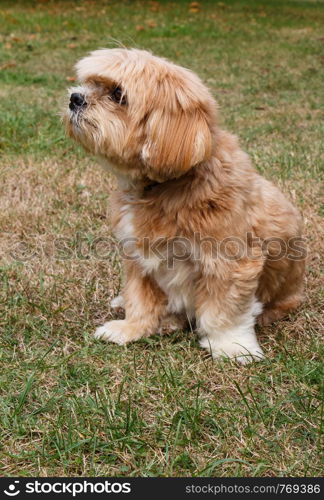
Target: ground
{"type": "Point", "coordinates": [71, 405]}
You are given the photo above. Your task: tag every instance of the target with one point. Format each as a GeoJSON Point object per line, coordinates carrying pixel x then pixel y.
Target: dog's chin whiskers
{"type": "Point", "coordinates": [75, 118]}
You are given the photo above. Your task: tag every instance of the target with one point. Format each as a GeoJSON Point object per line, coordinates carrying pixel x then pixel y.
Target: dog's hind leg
{"type": "Point", "coordinates": [280, 289]}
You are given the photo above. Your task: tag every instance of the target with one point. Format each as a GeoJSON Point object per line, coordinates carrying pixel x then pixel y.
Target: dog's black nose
{"type": "Point", "coordinates": [76, 100]}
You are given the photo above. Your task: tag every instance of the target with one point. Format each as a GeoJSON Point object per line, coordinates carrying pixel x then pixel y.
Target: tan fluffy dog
{"type": "Point", "coordinates": [204, 236]}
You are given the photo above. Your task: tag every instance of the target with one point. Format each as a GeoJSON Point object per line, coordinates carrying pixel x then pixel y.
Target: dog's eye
{"type": "Point", "coordinates": [118, 96]}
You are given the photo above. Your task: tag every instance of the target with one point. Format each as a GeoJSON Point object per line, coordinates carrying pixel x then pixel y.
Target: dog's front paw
{"type": "Point", "coordinates": [118, 331]}
{"type": "Point", "coordinates": [243, 351]}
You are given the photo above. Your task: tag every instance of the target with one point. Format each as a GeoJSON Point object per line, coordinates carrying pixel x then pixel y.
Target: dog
{"type": "Point", "coordinates": [206, 239]}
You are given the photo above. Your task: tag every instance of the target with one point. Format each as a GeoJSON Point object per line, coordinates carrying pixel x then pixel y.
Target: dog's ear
{"type": "Point", "coordinates": [175, 142]}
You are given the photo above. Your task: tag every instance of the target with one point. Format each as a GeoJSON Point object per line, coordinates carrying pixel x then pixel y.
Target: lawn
{"type": "Point", "coordinates": [71, 405]}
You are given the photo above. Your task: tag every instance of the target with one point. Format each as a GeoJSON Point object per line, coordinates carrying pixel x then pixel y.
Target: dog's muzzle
{"type": "Point", "coordinates": [77, 101]}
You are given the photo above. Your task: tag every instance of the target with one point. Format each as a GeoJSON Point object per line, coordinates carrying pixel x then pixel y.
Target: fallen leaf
{"type": "Point", "coordinates": [71, 45]}
{"type": "Point", "coordinates": [260, 108]}
{"type": "Point", "coordinates": [138, 27]}
{"type": "Point", "coordinates": [154, 6]}
{"type": "Point", "coordinates": [10, 64]}
{"type": "Point", "coordinates": [194, 7]}
{"type": "Point", "coordinates": [11, 19]}
{"type": "Point", "coordinates": [151, 23]}
{"type": "Point", "coordinates": [70, 78]}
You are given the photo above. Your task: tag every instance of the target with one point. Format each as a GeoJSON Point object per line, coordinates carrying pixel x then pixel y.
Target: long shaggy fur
{"type": "Point", "coordinates": [186, 185]}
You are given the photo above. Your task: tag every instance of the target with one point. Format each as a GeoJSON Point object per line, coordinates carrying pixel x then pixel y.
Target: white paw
{"type": "Point", "coordinates": [117, 303]}
{"type": "Point", "coordinates": [237, 342]}
{"type": "Point", "coordinates": [241, 350]}
{"type": "Point", "coordinates": [114, 331]}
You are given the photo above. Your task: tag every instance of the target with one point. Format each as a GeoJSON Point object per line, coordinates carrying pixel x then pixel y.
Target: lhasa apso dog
{"type": "Point", "coordinates": [205, 238]}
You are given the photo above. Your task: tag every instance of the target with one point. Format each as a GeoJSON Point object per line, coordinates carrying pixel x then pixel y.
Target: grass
{"type": "Point", "coordinates": [160, 407]}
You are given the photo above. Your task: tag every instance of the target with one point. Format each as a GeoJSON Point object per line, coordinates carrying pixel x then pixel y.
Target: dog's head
{"type": "Point", "coordinates": [143, 114]}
